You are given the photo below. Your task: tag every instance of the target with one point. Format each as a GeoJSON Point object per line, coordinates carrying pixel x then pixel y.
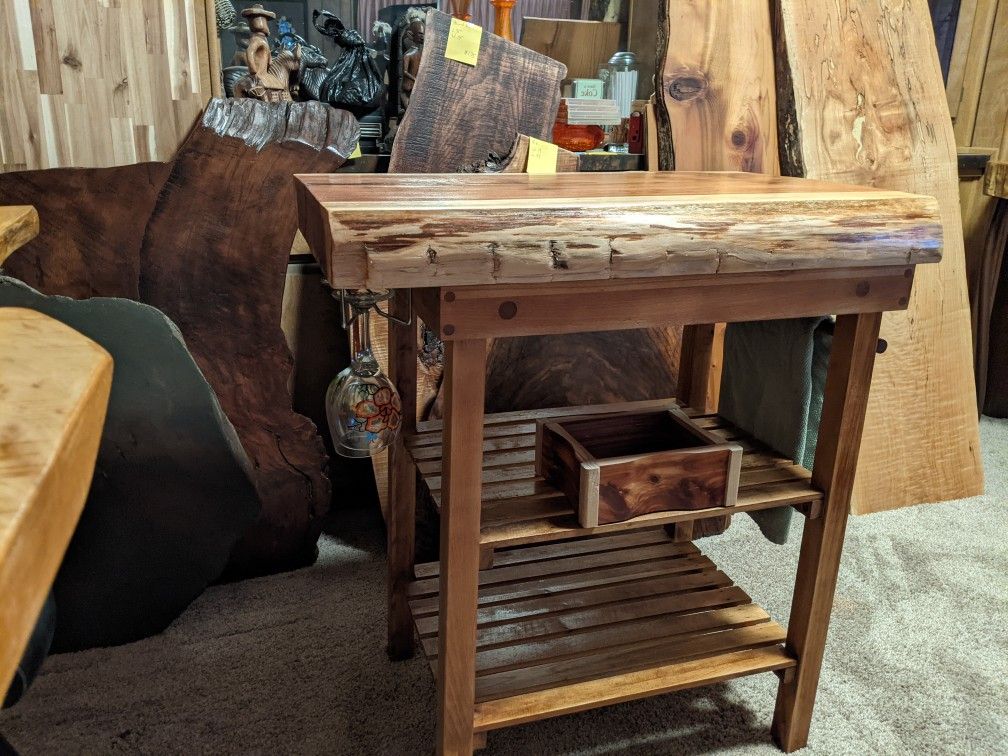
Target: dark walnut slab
{"type": "Point", "coordinates": [458, 114]}
{"type": "Point", "coordinates": [206, 239]}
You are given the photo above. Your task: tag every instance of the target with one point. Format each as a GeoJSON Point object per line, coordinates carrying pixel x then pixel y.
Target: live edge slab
{"type": "Point", "coordinates": [528, 614]}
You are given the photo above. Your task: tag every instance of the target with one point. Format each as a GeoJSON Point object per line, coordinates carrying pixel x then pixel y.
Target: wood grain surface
{"type": "Point", "coordinates": [54, 390]}
{"type": "Point", "coordinates": [413, 231]}
{"type": "Point", "coordinates": [215, 262]}
{"type": "Point", "coordinates": [716, 101]}
{"type": "Point", "coordinates": [19, 224]}
{"type": "Point", "coordinates": [94, 84]}
{"type": "Point", "coordinates": [582, 46]}
{"type": "Point", "coordinates": [459, 114]}
{"type": "Point", "coordinates": [861, 100]}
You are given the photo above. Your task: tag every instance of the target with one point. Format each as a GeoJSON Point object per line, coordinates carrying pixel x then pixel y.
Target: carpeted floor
{"type": "Point", "coordinates": [917, 661]}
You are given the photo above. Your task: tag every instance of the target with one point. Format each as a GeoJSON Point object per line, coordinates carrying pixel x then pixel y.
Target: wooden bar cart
{"type": "Point", "coordinates": [528, 614]}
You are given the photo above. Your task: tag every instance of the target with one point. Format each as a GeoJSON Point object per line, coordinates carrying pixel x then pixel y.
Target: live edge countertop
{"type": "Point", "coordinates": [409, 230]}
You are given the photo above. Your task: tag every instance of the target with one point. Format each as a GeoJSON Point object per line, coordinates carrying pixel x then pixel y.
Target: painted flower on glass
{"type": "Point", "coordinates": [382, 410]}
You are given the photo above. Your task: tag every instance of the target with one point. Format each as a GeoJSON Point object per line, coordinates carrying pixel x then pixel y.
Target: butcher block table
{"type": "Point", "coordinates": [529, 615]}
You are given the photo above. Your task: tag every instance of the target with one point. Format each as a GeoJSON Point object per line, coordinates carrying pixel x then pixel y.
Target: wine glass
{"type": "Point", "coordinates": [363, 408]}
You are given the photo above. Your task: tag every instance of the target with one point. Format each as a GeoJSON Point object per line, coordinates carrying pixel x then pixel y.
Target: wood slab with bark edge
{"type": "Point", "coordinates": [465, 229]}
{"type": "Point", "coordinates": [860, 99]}
{"type": "Point", "coordinates": [716, 111]}
{"type": "Point", "coordinates": [206, 239]}
{"type": "Point", "coordinates": [54, 390]}
{"type": "Point", "coordinates": [459, 114]}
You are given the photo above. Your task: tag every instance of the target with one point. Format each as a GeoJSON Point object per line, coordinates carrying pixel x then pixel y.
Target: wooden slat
{"type": "Point", "coordinates": [571, 698]}
{"type": "Point", "coordinates": [54, 389]}
{"type": "Point", "coordinates": [574, 564]}
{"type": "Point", "coordinates": [519, 508]}
{"type": "Point", "coordinates": [398, 231]}
{"type": "Point", "coordinates": [565, 649]}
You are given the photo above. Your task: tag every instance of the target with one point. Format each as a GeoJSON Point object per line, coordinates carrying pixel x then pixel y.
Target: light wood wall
{"type": "Point", "coordinates": [94, 83]}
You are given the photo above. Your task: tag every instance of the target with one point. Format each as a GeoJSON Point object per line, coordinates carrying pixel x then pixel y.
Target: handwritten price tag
{"type": "Point", "coordinates": [542, 157]}
{"type": "Point", "coordinates": [356, 152]}
{"type": "Point", "coordinates": [463, 42]}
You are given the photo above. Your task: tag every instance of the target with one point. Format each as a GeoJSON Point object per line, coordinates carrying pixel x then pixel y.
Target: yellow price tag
{"type": "Point", "coordinates": [356, 152]}
{"type": "Point", "coordinates": [542, 157]}
{"type": "Point", "coordinates": [463, 41]}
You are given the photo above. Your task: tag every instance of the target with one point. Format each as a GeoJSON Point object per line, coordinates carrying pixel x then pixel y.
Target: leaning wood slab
{"type": "Point", "coordinates": [413, 231]}
{"type": "Point", "coordinates": [617, 467]}
{"type": "Point", "coordinates": [206, 238]}
{"type": "Point", "coordinates": [54, 389]}
{"type": "Point", "coordinates": [860, 98]}
{"type": "Point", "coordinates": [458, 114]}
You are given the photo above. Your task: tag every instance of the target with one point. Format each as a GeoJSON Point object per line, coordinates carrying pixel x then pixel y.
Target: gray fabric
{"type": "Point", "coordinates": [772, 388]}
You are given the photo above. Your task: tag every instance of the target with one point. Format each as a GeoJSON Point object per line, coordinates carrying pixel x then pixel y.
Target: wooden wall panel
{"type": "Point", "coordinates": [97, 83]}
{"type": "Point", "coordinates": [861, 100]}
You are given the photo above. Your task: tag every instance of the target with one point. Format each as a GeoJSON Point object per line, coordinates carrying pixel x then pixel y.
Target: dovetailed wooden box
{"type": "Point", "coordinates": [617, 467]}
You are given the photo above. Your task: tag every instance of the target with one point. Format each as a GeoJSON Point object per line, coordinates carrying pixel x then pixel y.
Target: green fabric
{"type": "Point", "coordinates": [772, 388]}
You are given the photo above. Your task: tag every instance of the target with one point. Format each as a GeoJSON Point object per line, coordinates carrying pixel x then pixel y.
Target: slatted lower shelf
{"type": "Point", "coordinates": [589, 622]}
{"type": "Point", "coordinates": [519, 508]}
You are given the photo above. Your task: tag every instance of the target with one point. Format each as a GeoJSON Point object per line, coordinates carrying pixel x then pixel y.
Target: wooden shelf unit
{"type": "Point", "coordinates": [519, 508]}
{"type": "Point", "coordinates": [569, 626]}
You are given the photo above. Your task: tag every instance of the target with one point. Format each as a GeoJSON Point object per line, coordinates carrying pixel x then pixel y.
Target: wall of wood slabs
{"type": "Point", "coordinates": [96, 83]}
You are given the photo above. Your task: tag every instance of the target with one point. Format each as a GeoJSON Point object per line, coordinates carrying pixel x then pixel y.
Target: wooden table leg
{"type": "Point", "coordinates": [401, 519]}
{"type": "Point", "coordinates": [851, 361]}
{"type": "Point", "coordinates": [465, 382]}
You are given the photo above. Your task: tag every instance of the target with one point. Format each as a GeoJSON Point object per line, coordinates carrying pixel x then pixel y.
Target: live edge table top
{"type": "Point", "coordinates": [415, 231]}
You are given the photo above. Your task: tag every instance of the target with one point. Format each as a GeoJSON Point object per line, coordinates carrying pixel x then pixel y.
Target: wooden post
{"type": "Point", "coordinates": [846, 398]}
{"type": "Point", "coordinates": [401, 520]}
{"type": "Point", "coordinates": [465, 382]}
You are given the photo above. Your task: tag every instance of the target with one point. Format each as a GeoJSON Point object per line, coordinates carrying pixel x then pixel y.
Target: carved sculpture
{"type": "Point", "coordinates": [410, 49]}
{"type": "Point", "coordinates": [269, 76]}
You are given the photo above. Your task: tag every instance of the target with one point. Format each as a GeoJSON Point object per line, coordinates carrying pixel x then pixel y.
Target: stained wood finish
{"type": "Point", "coordinates": [400, 519]}
{"type": "Point", "coordinates": [582, 46]}
{"type": "Point", "coordinates": [395, 231]}
{"type": "Point", "coordinates": [844, 402]}
{"type": "Point", "coordinates": [855, 92]}
{"type": "Point", "coordinates": [617, 467]}
{"type": "Point", "coordinates": [91, 84]}
{"type": "Point", "coordinates": [455, 116]}
{"type": "Point", "coordinates": [215, 262]}
{"type": "Point", "coordinates": [516, 161]}
{"type": "Point", "coordinates": [465, 371]}
{"type": "Point", "coordinates": [19, 224]}
{"type": "Point", "coordinates": [519, 507]}
{"type": "Point", "coordinates": [514, 310]}
{"type": "Point", "coordinates": [54, 390]}
{"type": "Point", "coordinates": [571, 626]}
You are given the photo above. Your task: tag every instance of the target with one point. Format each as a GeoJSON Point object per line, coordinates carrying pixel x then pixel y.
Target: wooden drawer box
{"type": "Point", "coordinates": [617, 467]}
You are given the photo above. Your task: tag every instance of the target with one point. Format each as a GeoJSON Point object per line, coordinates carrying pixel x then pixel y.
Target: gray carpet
{"type": "Point", "coordinates": [917, 660]}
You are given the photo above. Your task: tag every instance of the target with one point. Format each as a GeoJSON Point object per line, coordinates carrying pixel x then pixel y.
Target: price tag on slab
{"type": "Point", "coordinates": [463, 42]}
{"type": "Point", "coordinates": [356, 152]}
{"type": "Point", "coordinates": [542, 156]}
